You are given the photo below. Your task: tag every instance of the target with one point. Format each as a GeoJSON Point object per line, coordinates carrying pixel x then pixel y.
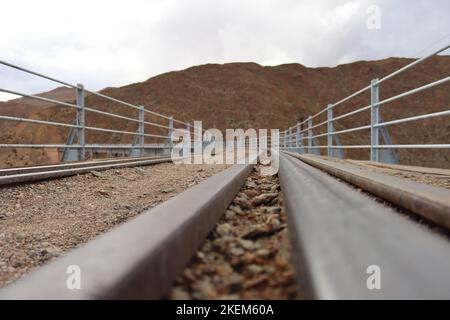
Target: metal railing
{"type": "Point", "coordinates": [293, 137]}
{"type": "Point", "coordinates": [79, 127]}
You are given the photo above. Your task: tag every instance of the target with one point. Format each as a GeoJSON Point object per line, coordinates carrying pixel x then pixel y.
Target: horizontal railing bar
{"type": "Point", "coordinates": [8, 118]}
{"type": "Point", "coordinates": [125, 132]}
{"type": "Point", "coordinates": [110, 114]}
{"type": "Point", "coordinates": [87, 146]}
{"type": "Point", "coordinates": [382, 146]}
{"type": "Point", "coordinates": [350, 96]}
{"type": "Point", "coordinates": [23, 145]}
{"type": "Point", "coordinates": [352, 112]}
{"type": "Point", "coordinates": [351, 130]}
{"type": "Point", "coordinates": [112, 99]}
{"type": "Point", "coordinates": [318, 125]}
{"type": "Point", "coordinates": [380, 81]}
{"type": "Point", "coordinates": [37, 74]}
{"type": "Point", "coordinates": [132, 105]}
{"type": "Point", "coordinates": [404, 94]}
{"type": "Point", "coordinates": [412, 64]}
{"type": "Point", "coordinates": [40, 98]}
{"type": "Point", "coordinates": [156, 125]}
{"type": "Point", "coordinates": [415, 118]}
{"type": "Point", "coordinates": [414, 146]}
{"type": "Point", "coordinates": [319, 113]}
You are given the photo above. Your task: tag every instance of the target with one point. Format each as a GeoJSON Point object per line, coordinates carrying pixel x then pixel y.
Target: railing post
{"type": "Point", "coordinates": [297, 138]}
{"type": "Point", "coordinates": [329, 130]}
{"type": "Point", "coordinates": [374, 120]}
{"type": "Point", "coordinates": [171, 131]}
{"type": "Point", "coordinates": [141, 130]}
{"type": "Point", "coordinates": [310, 135]}
{"type": "Point", "coordinates": [81, 123]}
{"type": "Point", "coordinates": [290, 139]}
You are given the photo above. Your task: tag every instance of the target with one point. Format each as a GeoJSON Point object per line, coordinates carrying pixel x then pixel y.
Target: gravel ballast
{"type": "Point", "coordinates": [40, 221]}
{"type": "Point", "coordinates": [247, 255]}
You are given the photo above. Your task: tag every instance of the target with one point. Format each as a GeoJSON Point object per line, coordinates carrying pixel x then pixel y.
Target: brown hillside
{"type": "Point", "coordinates": [249, 95]}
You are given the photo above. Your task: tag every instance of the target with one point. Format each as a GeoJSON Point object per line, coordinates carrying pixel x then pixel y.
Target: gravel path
{"type": "Point", "coordinates": [40, 221]}
{"type": "Point", "coordinates": [247, 255]}
{"type": "Point", "coordinates": [437, 180]}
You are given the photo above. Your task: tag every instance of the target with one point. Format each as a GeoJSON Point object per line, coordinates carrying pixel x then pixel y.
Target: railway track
{"type": "Point", "coordinates": [38, 173]}
{"type": "Point", "coordinates": [337, 233]}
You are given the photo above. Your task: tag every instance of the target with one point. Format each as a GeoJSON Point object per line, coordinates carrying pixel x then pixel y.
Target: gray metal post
{"type": "Point", "coordinates": [374, 120]}
{"type": "Point", "coordinates": [171, 131]}
{"type": "Point", "coordinates": [141, 130]}
{"type": "Point", "coordinates": [290, 138]}
{"type": "Point", "coordinates": [329, 129]}
{"type": "Point", "coordinates": [297, 138]}
{"type": "Point", "coordinates": [81, 122]}
{"type": "Point", "coordinates": [310, 144]}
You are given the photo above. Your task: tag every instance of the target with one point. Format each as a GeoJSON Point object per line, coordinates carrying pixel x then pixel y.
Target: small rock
{"type": "Point", "coordinates": [229, 297]}
{"type": "Point", "coordinates": [201, 255]}
{"type": "Point", "coordinates": [237, 251]}
{"type": "Point", "coordinates": [251, 193]}
{"type": "Point", "coordinates": [251, 184]}
{"type": "Point", "coordinates": [179, 294]}
{"type": "Point", "coordinates": [247, 244]}
{"type": "Point", "coordinates": [243, 203]}
{"type": "Point", "coordinates": [254, 268]}
{"type": "Point", "coordinates": [168, 190]}
{"type": "Point", "coordinates": [263, 253]}
{"type": "Point", "coordinates": [263, 198]}
{"type": "Point", "coordinates": [237, 210]}
{"type": "Point", "coordinates": [274, 189]}
{"type": "Point", "coordinates": [204, 290]}
{"type": "Point", "coordinates": [273, 210]}
{"type": "Point", "coordinates": [103, 192]}
{"type": "Point", "coordinates": [224, 270]}
{"type": "Point", "coordinates": [140, 171]}
{"type": "Point", "coordinates": [268, 269]}
{"type": "Point", "coordinates": [97, 174]}
{"type": "Point", "coordinates": [275, 223]}
{"type": "Point", "coordinates": [224, 229]}
{"type": "Point", "coordinates": [229, 214]}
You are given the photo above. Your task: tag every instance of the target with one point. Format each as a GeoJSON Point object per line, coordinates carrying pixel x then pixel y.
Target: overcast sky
{"type": "Point", "coordinates": [113, 43]}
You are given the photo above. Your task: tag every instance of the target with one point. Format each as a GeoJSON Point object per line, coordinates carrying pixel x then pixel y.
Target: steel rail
{"type": "Point", "coordinates": [141, 258]}
{"type": "Point", "coordinates": [340, 237]}
{"type": "Point", "coordinates": [71, 165]}
{"type": "Point", "coordinates": [61, 173]}
{"type": "Point", "coordinates": [430, 202]}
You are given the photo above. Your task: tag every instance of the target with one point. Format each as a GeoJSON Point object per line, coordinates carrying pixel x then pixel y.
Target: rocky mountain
{"type": "Point", "coordinates": [248, 95]}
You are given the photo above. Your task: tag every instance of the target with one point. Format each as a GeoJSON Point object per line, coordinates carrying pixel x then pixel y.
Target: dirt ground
{"type": "Point", "coordinates": [437, 180]}
{"type": "Point", "coordinates": [40, 221]}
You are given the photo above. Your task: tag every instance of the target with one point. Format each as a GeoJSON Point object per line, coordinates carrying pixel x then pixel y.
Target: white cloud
{"type": "Point", "coordinates": [110, 43]}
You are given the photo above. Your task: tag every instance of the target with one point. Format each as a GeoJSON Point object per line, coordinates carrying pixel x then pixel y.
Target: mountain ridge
{"type": "Point", "coordinates": [244, 95]}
